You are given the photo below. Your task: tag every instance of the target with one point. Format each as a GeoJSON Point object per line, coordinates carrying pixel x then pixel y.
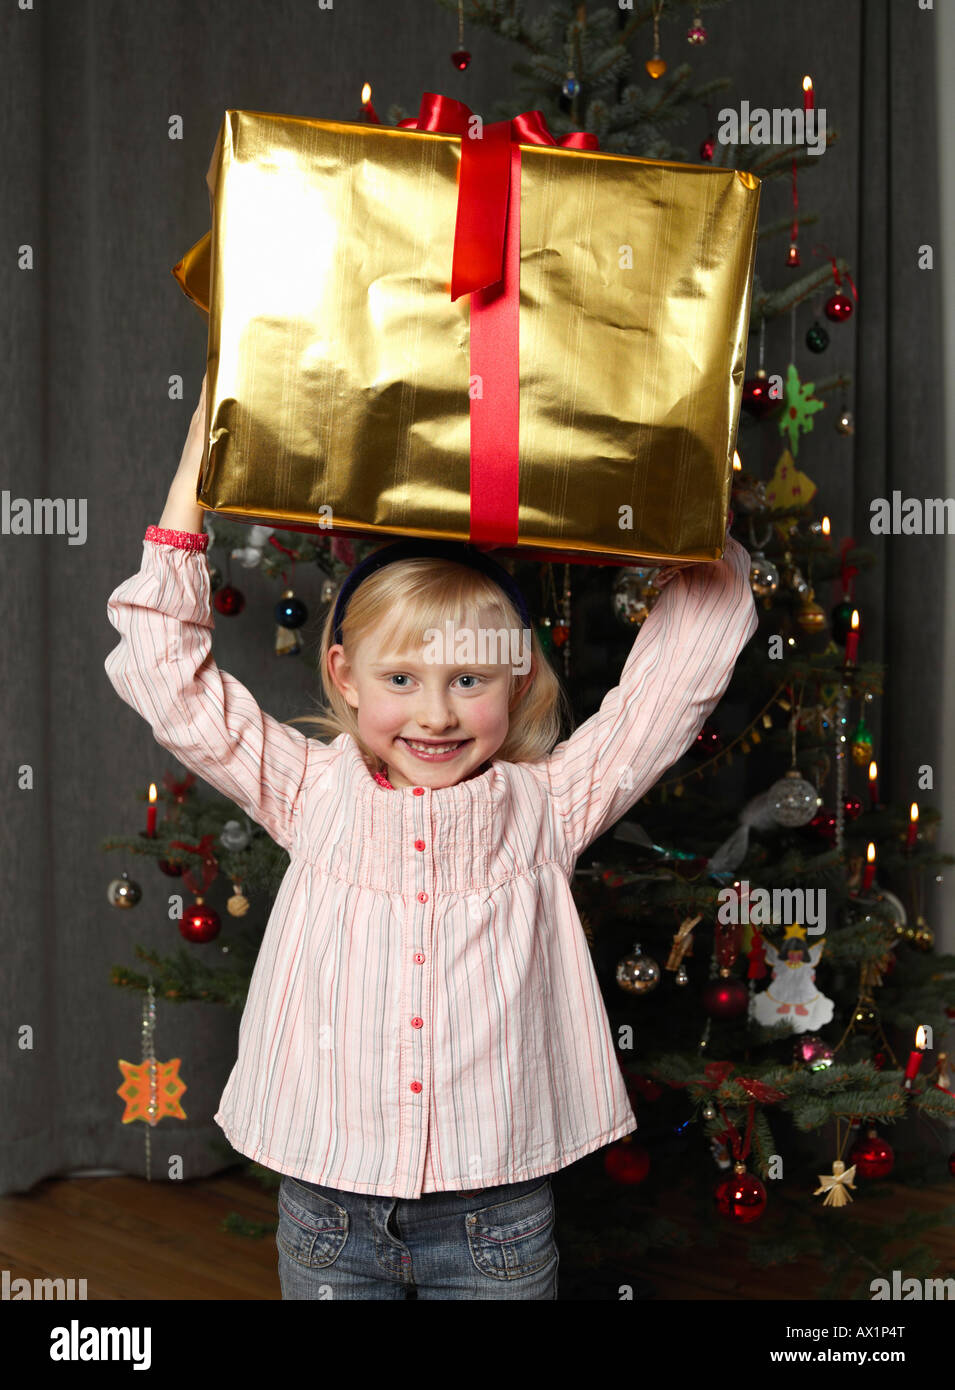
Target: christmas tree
{"type": "Point", "coordinates": [777, 1006]}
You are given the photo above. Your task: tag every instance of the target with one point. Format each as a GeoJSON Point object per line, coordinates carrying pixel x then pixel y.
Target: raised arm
{"type": "Point", "coordinates": [164, 669]}
{"type": "Point", "coordinates": [675, 674]}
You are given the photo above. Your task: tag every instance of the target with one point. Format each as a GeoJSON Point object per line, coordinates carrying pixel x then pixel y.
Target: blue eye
{"type": "Point", "coordinates": [400, 676]}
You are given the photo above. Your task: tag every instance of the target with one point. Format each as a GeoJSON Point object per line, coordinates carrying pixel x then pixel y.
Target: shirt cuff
{"type": "Point", "coordinates": [182, 540]}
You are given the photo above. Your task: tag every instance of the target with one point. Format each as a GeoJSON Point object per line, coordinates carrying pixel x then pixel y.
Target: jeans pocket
{"type": "Point", "coordinates": [312, 1228]}
{"type": "Point", "coordinates": [514, 1238]}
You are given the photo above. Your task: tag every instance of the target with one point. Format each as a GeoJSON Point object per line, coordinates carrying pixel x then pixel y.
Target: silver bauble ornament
{"type": "Point", "coordinates": [896, 910]}
{"type": "Point", "coordinates": [234, 836]}
{"type": "Point", "coordinates": [750, 499]}
{"type": "Point", "coordinates": [632, 594]}
{"type": "Point", "coordinates": [797, 581]}
{"type": "Point", "coordinates": [637, 973]}
{"type": "Point", "coordinates": [248, 556]}
{"type": "Point", "coordinates": [124, 892]}
{"type": "Point", "coordinates": [793, 800]}
{"type": "Point", "coordinates": [763, 575]}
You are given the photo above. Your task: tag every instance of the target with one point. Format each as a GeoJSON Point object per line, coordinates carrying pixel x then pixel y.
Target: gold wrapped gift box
{"type": "Point", "coordinates": [339, 372]}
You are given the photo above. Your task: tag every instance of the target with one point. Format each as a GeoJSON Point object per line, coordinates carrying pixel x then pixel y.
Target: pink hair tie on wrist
{"type": "Point", "coordinates": [182, 540]}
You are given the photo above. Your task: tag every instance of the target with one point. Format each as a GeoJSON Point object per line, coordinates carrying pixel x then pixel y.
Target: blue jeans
{"type": "Point", "coordinates": [491, 1242]}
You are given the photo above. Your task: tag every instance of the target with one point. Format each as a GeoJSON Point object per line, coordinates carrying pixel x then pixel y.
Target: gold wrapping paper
{"type": "Point", "coordinates": [338, 366]}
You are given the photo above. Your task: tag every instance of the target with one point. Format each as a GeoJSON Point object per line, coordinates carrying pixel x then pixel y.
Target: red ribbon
{"type": "Point", "coordinates": [178, 787]}
{"type": "Point", "coordinates": [757, 957]}
{"type": "Point", "coordinates": [818, 251]}
{"type": "Point", "coordinates": [716, 1073]}
{"type": "Point", "coordinates": [486, 265]}
{"type": "Point", "coordinates": [210, 866]}
{"type": "Point", "coordinates": [848, 572]}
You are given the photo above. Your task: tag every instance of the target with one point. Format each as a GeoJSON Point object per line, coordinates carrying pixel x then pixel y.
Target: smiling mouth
{"type": "Point", "coordinates": [425, 749]}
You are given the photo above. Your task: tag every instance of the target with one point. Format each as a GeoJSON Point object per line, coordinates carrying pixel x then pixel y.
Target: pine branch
{"type": "Point", "coordinates": [772, 304]}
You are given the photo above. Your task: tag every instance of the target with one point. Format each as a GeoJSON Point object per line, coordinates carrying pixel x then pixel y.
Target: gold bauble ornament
{"type": "Point", "coordinates": [924, 936]}
{"type": "Point", "coordinates": [811, 618]}
{"type": "Point", "coordinates": [866, 1016]}
{"type": "Point", "coordinates": [238, 904]}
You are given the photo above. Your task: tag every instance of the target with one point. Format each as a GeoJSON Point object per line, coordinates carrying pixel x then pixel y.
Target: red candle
{"type": "Point", "coordinates": [869, 873]}
{"type": "Point", "coordinates": [151, 812]}
{"type": "Point", "coordinates": [915, 1058]}
{"type": "Point", "coordinates": [808, 95]}
{"type": "Point", "coordinates": [913, 826]}
{"type": "Point", "coordinates": [852, 640]}
{"type": "Point", "coordinates": [367, 110]}
{"type": "Point", "coordinates": [873, 785]}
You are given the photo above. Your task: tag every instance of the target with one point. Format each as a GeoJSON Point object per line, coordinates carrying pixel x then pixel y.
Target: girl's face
{"type": "Point", "coordinates": [402, 698]}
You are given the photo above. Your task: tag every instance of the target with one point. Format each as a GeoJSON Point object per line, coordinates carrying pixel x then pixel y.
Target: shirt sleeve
{"type": "Point", "coordinates": [164, 669]}
{"type": "Point", "coordinates": [675, 675]}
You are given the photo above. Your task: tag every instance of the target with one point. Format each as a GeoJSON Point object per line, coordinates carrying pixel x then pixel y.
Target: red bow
{"type": "Point", "coordinates": [210, 866]}
{"type": "Point", "coordinates": [486, 265]}
{"type": "Point", "coordinates": [484, 182]}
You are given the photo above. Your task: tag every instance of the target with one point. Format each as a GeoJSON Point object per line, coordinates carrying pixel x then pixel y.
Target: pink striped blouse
{"type": "Point", "coordinates": [424, 1014]}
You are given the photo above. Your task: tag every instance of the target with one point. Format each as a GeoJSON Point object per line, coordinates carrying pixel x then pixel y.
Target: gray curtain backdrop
{"type": "Point", "coordinates": [90, 180]}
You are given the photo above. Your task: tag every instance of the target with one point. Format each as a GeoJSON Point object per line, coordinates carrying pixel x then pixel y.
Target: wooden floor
{"type": "Point", "coordinates": [132, 1239]}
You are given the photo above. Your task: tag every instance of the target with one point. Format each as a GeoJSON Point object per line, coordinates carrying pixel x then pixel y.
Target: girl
{"type": "Point", "coordinates": [424, 1041]}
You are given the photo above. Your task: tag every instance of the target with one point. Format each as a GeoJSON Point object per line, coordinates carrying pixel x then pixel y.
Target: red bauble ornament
{"type": "Point", "coordinates": [200, 923]}
{"type": "Point", "coordinates": [756, 399]}
{"type": "Point", "coordinates": [824, 823]}
{"type": "Point", "coordinates": [872, 1156]}
{"type": "Point", "coordinates": [643, 1088]}
{"type": "Point", "coordinates": [853, 808]}
{"type": "Point", "coordinates": [171, 867]}
{"type": "Point", "coordinates": [627, 1161]}
{"type": "Point", "coordinates": [228, 601]}
{"type": "Point", "coordinates": [839, 308]}
{"type": "Point", "coordinates": [560, 632]}
{"type": "Point", "coordinates": [726, 997]}
{"type": "Point", "coordinates": [708, 741]}
{"type": "Point", "coordinates": [460, 58]}
{"type": "Point", "coordinates": [741, 1197]}
{"type": "Point", "coordinates": [708, 148]}
{"type": "Point", "coordinates": [951, 1164]}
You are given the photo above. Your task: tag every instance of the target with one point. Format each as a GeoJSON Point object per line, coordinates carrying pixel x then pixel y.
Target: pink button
{"type": "Point", "coordinates": [419, 791]}
{"type": "Point", "coordinates": [419, 844]}
{"type": "Point", "coordinates": [417, 1022]}
{"type": "Point", "coordinates": [418, 958]}
{"type": "Point", "coordinates": [422, 897]}
{"type": "Point", "coordinates": [416, 1086]}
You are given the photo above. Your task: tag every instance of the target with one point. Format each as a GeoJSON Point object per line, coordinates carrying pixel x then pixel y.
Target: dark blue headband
{"type": "Point", "coordinates": [459, 551]}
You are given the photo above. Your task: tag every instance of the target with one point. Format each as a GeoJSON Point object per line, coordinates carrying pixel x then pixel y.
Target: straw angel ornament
{"type": "Point", "coordinates": [835, 1184]}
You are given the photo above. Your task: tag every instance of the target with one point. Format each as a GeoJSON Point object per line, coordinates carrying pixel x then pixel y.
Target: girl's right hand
{"type": "Point", "coordinates": [182, 513]}
{"type": "Point", "coordinates": [191, 459]}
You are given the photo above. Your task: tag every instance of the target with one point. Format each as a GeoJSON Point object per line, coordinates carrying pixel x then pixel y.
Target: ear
{"type": "Point", "coordinates": [340, 674]}
{"type": "Point", "coordinates": [520, 689]}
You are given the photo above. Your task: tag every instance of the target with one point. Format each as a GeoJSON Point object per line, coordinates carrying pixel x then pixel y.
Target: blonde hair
{"type": "Point", "coordinates": [408, 597]}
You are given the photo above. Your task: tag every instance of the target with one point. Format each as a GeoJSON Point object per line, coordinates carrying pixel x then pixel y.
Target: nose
{"type": "Point", "coordinates": [435, 713]}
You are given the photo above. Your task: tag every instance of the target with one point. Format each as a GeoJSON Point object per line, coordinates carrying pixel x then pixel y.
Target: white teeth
{"type": "Point", "coordinates": [430, 747]}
